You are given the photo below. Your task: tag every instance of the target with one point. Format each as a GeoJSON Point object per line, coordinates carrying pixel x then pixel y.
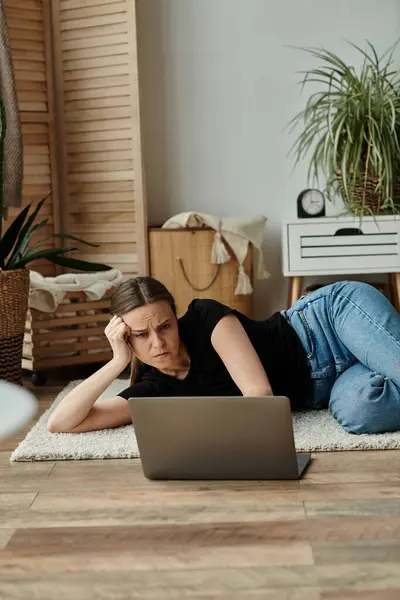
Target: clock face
{"type": "Point", "coordinates": [313, 202]}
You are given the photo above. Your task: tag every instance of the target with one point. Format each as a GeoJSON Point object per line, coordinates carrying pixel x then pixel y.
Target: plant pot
{"type": "Point", "coordinates": [363, 198]}
{"type": "Point", "coordinates": [14, 295]}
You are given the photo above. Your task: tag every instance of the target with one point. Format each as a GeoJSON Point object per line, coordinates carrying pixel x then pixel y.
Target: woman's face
{"type": "Point", "coordinates": [154, 334]}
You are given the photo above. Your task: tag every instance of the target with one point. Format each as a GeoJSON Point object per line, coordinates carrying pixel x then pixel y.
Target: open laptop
{"type": "Point", "coordinates": [224, 437]}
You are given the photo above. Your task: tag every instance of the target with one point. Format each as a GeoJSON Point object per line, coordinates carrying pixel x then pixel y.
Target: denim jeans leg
{"type": "Point", "coordinates": [366, 399]}
{"type": "Point", "coordinates": [351, 334]}
{"type": "Point", "coordinates": [327, 357]}
{"type": "Point", "coordinates": [368, 325]}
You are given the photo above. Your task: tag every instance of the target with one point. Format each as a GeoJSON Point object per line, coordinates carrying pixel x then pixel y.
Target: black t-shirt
{"type": "Point", "coordinates": [274, 340]}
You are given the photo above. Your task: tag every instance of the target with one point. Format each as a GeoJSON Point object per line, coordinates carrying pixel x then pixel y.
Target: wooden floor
{"type": "Point", "coordinates": [98, 529]}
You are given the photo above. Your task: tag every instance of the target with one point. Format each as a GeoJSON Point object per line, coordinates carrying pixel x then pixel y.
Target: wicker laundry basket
{"type": "Point", "coordinates": [71, 335]}
{"type": "Point", "coordinates": [181, 260]}
{"type": "Point", "coordinates": [14, 293]}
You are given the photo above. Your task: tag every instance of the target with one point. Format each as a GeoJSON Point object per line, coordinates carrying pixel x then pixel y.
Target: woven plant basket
{"type": "Point", "coordinates": [363, 197]}
{"type": "Point", "coordinates": [14, 294]}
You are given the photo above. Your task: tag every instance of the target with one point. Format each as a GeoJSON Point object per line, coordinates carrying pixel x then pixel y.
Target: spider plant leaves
{"type": "Point", "coordinates": [350, 128]}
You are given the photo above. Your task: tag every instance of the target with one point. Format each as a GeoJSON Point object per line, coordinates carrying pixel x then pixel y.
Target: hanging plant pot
{"type": "Point", "coordinates": [364, 198]}
{"type": "Point", "coordinates": [352, 123]}
{"type": "Point", "coordinates": [14, 295]}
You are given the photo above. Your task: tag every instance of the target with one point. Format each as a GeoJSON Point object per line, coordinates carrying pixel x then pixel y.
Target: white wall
{"type": "Point", "coordinates": [218, 86]}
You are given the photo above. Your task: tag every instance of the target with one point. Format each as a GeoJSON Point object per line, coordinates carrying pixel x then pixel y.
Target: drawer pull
{"type": "Point", "coordinates": [349, 231]}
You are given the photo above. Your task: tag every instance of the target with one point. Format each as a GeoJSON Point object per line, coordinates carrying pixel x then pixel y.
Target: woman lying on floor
{"type": "Point", "coordinates": [337, 347]}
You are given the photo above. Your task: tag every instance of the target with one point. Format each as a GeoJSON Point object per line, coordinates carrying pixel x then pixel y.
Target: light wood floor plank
{"type": "Point", "coordinates": [152, 515]}
{"type": "Point", "coordinates": [189, 582]}
{"type": "Point", "coordinates": [349, 551]}
{"type": "Point", "coordinates": [16, 501]}
{"type": "Point", "coordinates": [5, 536]}
{"type": "Point", "coordinates": [111, 499]}
{"type": "Point", "coordinates": [157, 558]}
{"type": "Point", "coordinates": [342, 594]}
{"type": "Point", "coordinates": [121, 538]}
{"type": "Point", "coordinates": [353, 508]}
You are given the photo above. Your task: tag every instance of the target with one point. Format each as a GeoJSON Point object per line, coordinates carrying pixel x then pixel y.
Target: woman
{"type": "Point", "coordinates": [337, 347]}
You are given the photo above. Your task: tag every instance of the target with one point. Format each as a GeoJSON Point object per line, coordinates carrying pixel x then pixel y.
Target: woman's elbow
{"type": "Point", "coordinates": [258, 391]}
{"type": "Point", "coordinates": [54, 427]}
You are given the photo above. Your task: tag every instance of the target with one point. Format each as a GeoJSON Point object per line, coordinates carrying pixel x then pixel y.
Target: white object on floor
{"type": "Point", "coordinates": [313, 430]}
{"type": "Point", "coordinates": [17, 407]}
{"type": "Point", "coordinates": [46, 293]}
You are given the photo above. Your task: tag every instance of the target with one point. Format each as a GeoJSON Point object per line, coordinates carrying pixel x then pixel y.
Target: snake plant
{"type": "Point", "coordinates": [16, 250]}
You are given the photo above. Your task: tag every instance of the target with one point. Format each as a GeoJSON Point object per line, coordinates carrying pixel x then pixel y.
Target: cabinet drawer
{"type": "Point", "coordinates": [340, 247]}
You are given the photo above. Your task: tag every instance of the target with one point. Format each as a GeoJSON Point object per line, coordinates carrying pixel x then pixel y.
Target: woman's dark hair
{"type": "Point", "coordinates": [132, 294]}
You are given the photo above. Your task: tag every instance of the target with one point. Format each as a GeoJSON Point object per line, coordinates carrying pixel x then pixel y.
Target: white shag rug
{"type": "Point", "coordinates": [313, 430]}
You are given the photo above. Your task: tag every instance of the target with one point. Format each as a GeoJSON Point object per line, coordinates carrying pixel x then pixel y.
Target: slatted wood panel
{"type": "Point", "coordinates": [29, 28]}
{"type": "Point", "coordinates": [99, 130]}
{"type": "Point", "coordinates": [73, 334]}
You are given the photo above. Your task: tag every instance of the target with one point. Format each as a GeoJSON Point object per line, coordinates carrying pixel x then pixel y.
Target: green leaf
{"type": "Point", "coordinates": [72, 237]}
{"type": "Point", "coordinates": [19, 250]}
{"type": "Point", "coordinates": [80, 265]}
{"type": "Point", "coordinates": [49, 253]}
{"type": "Point", "coordinates": [25, 231]}
{"type": "Point", "coordinates": [11, 235]}
{"type": "Point", "coordinates": [62, 236]}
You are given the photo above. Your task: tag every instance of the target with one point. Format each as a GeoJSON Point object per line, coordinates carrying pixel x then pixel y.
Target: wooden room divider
{"type": "Point", "coordinates": [76, 73]}
{"type": "Point", "coordinates": [96, 82]}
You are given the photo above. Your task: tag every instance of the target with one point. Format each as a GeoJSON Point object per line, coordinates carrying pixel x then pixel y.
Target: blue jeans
{"type": "Point", "coordinates": [351, 335]}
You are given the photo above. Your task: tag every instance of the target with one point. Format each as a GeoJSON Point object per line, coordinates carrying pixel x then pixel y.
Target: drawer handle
{"type": "Point", "coordinates": [180, 261]}
{"type": "Point", "coordinates": [349, 231]}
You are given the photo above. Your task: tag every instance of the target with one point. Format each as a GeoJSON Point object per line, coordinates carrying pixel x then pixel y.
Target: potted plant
{"type": "Point", "coordinates": [16, 252]}
{"type": "Point", "coordinates": [351, 130]}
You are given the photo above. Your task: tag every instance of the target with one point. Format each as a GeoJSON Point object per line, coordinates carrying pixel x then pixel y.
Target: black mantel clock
{"type": "Point", "coordinates": [310, 204]}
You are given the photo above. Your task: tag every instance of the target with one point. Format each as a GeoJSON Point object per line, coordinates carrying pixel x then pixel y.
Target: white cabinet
{"type": "Point", "coordinates": [339, 246]}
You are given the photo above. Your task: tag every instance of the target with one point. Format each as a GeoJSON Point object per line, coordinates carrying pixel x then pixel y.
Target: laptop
{"type": "Point", "coordinates": [216, 437]}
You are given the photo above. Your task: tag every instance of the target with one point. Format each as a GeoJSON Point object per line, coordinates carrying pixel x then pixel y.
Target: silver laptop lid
{"type": "Point", "coordinates": [215, 437]}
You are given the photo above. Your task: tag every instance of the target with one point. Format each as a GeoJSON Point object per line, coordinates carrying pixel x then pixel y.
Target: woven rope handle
{"type": "Point", "coordinates": [180, 261]}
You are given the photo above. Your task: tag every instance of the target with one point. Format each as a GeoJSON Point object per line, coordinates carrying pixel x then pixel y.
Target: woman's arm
{"type": "Point", "coordinates": [233, 345]}
{"type": "Point", "coordinates": [78, 412]}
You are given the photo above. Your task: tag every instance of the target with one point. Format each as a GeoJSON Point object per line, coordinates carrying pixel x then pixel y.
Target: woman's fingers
{"type": "Point", "coordinates": [116, 327]}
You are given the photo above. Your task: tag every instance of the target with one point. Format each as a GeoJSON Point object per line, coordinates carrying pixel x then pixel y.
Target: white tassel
{"type": "Point", "coordinates": [219, 253]}
{"type": "Point", "coordinates": [243, 283]}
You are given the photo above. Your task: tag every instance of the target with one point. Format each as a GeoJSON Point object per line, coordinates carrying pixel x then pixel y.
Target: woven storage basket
{"type": "Point", "coordinates": [14, 293]}
{"type": "Point", "coordinates": [373, 200]}
{"type": "Point", "coordinates": [181, 260]}
{"type": "Point", "coordinates": [71, 335]}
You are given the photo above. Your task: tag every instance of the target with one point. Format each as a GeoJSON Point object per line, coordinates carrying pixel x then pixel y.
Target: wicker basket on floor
{"type": "Point", "coordinates": [71, 335]}
{"type": "Point", "coordinates": [14, 293]}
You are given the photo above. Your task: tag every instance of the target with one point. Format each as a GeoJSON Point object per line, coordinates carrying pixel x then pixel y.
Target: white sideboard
{"type": "Point", "coordinates": [341, 246]}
